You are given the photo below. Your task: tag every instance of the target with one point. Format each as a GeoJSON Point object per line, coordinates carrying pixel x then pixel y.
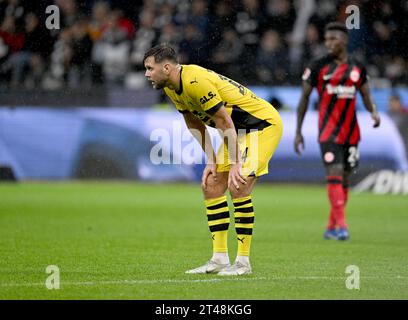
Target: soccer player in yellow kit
{"type": "Point", "coordinates": [251, 129]}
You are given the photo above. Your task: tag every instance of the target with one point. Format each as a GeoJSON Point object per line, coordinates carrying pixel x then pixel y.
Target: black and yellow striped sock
{"type": "Point", "coordinates": [244, 223]}
{"type": "Point", "coordinates": [218, 221]}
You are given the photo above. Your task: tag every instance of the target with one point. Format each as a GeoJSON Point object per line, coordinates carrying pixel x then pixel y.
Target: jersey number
{"type": "Point", "coordinates": [240, 87]}
{"type": "Point", "coordinates": [353, 156]}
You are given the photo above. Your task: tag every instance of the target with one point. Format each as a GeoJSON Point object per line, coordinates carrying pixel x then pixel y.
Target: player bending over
{"type": "Point", "coordinates": [251, 129]}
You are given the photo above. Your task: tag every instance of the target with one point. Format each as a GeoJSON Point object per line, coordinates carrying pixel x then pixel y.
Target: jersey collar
{"type": "Point", "coordinates": [180, 91]}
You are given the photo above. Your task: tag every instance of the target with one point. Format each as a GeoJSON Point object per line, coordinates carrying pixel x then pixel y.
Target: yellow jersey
{"type": "Point", "coordinates": [203, 92]}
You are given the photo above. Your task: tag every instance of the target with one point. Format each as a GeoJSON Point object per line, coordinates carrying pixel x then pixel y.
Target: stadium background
{"type": "Point", "coordinates": [95, 60]}
{"type": "Point", "coordinates": [74, 104]}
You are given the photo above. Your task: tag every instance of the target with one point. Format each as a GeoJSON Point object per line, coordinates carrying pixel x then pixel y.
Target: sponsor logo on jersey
{"type": "Point", "coordinates": [342, 92]}
{"type": "Point", "coordinates": [207, 98]}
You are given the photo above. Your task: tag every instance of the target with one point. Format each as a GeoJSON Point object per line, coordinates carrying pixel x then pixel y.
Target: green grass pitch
{"type": "Point", "coordinates": [134, 241]}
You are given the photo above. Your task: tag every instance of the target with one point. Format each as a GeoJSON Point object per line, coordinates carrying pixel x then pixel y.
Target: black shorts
{"type": "Point", "coordinates": [347, 155]}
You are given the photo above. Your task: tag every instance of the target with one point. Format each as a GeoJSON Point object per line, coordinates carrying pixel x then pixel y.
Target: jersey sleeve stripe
{"type": "Point", "coordinates": [213, 110]}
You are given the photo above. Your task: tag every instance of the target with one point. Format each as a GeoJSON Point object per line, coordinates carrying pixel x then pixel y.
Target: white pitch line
{"type": "Point", "coordinates": [335, 278]}
{"type": "Point", "coordinates": [131, 282]}
{"type": "Point", "coordinates": [158, 281]}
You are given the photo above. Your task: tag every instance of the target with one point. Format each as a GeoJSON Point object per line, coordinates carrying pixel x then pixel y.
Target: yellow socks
{"type": "Point", "coordinates": [218, 221]}
{"type": "Point", "coordinates": [244, 222]}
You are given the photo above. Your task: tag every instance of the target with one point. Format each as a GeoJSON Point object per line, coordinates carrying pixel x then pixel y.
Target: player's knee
{"type": "Point", "coordinates": [239, 193]}
{"type": "Point", "coordinates": [211, 182]}
{"type": "Point", "coordinates": [211, 193]}
{"type": "Point", "coordinates": [214, 188]}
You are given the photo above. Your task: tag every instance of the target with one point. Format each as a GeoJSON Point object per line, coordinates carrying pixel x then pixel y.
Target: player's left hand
{"type": "Point", "coordinates": [210, 169]}
{"type": "Point", "coordinates": [299, 143]}
{"type": "Point", "coordinates": [376, 118]}
{"type": "Point", "coordinates": [235, 176]}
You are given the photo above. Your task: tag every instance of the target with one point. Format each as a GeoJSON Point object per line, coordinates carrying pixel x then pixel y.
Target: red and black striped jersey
{"type": "Point", "coordinates": [337, 85]}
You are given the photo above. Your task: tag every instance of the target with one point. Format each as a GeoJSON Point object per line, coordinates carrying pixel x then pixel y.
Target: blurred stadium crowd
{"type": "Point", "coordinates": [262, 42]}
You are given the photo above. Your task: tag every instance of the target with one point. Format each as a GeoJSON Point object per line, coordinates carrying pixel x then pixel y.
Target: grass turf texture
{"type": "Point", "coordinates": [134, 241]}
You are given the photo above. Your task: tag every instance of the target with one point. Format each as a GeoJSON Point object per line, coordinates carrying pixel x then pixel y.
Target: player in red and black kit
{"type": "Point", "coordinates": [337, 77]}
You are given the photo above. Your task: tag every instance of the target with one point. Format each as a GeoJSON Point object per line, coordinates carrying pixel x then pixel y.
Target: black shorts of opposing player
{"type": "Point", "coordinates": [345, 154]}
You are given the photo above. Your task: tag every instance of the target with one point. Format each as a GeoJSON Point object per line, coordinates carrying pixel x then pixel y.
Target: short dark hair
{"type": "Point", "coordinates": [336, 26]}
{"type": "Point", "coordinates": [161, 52]}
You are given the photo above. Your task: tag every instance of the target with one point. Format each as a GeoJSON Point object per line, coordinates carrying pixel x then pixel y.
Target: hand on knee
{"type": "Point", "coordinates": [238, 193]}
{"type": "Point", "coordinates": [214, 188]}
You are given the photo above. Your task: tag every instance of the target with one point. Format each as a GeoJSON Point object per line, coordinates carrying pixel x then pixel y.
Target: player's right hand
{"type": "Point", "coordinates": [235, 176]}
{"type": "Point", "coordinates": [376, 118]}
{"type": "Point", "coordinates": [208, 170]}
{"type": "Point", "coordinates": [299, 143]}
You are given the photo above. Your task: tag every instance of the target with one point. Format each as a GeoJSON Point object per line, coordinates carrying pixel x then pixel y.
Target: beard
{"type": "Point", "coordinates": [158, 85]}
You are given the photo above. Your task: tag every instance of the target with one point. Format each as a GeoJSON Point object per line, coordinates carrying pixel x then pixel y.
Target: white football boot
{"type": "Point", "coordinates": [237, 269]}
{"type": "Point", "coordinates": [210, 267]}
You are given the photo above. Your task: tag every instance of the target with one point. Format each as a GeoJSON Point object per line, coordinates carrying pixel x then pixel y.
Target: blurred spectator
{"type": "Point", "coordinates": [280, 16]}
{"type": "Point", "coordinates": [69, 11]}
{"type": "Point", "coordinates": [249, 23]}
{"type": "Point", "coordinates": [99, 21]}
{"type": "Point", "coordinates": [170, 34]}
{"type": "Point", "coordinates": [61, 55]}
{"type": "Point", "coordinates": [114, 50]}
{"type": "Point", "coordinates": [223, 17]}
{"type": "Point", "coordinates": [209, 33]}
{"type": "Point", "coordinates": [10, 43]}
{"type": "Point", "coordinates": [80, 62]}
{"type": "Point", "coordinates": [272, 59]}
{"type": "Point", "coordinates": [227, 54]}
{"type": "Point", "coordinates": [190, 45]}
{"type": "Point", "coordinates": [145, 38]}
{"type": "Point", "coordinates": [124, 23]}
{"type": "Point", "coordinates": [313, 46]}
{"type": "Point", "coordinates": [199, 16]}
{"type": "Point", "coordinates": [164, 15]}
{"type": "Point", "coordinates": [12, 40]}
{"type": "Point", "coordinates": [14, 9]}
{"type": "Point", "coordinates": [30, 60]}
{"type": "Point", "coordinates": [98, 24]}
